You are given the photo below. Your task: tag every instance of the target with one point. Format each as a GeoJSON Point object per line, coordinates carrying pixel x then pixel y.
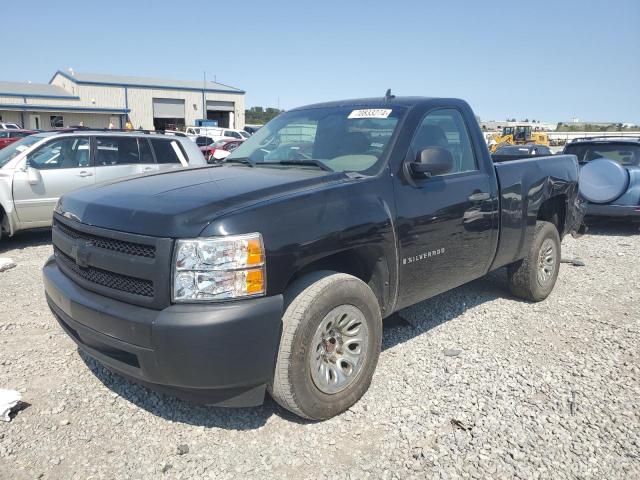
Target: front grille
{"type": "Point", "coordinates": [129, 248]}
{"type": "Point", "coordinates": [116, 281]}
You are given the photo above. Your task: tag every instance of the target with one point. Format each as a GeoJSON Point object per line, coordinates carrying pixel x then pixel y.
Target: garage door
{"type": "Point", "coordinates": [168, 108]}
{"type": "Point", "coordinates": [220, 106]}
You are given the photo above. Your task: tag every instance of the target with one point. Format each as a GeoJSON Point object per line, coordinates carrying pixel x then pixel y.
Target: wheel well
{"type": "Point", "coordinates": [554, 210]}
{"type": "Point", "coordinates": [362, 263]}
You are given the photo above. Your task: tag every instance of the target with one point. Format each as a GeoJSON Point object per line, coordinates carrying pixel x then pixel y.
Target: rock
{"type": "Point", "coordinates": [6, 264]}
{"type": "Point", "coordinates": [182, 449]}
{"type": "Point", "coordinates": [450, 352]}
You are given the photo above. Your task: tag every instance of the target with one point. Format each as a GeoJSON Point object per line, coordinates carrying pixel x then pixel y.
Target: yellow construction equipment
{"type": "Point", "coordinates": [518, 135]}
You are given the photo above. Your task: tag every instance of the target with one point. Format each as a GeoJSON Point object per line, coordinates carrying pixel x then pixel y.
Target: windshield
{"type": "Point", "coordinates": [342, 139]}
{"type": "Point", "coordinates": [624, 153]}
{"type": "Point", "coordinates": [15, 149]}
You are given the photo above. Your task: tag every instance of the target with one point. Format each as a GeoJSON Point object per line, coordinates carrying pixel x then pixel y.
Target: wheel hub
{"type": "Point", "coordinates": [546, 261]}
{"type": "Point", "coordinates": [339, 349]}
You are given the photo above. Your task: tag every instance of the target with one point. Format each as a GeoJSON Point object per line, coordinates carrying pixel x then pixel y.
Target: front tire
{"type": "Point", "coordinates": [534, 277]}
{"type": "Point", "coordinates": [330, 344]}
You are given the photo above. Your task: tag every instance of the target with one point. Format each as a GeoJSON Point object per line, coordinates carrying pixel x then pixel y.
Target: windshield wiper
{"type": "Point", "coordinates": [243, 160]}
{"type": "Point", "coordinates": [311, 163]}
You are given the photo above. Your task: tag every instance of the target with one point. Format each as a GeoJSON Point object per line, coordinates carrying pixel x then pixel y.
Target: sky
{"type": "Point", "coordinates": [544, 60]}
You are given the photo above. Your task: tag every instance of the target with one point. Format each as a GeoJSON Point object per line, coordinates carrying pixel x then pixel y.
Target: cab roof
{"type": "Point", "coordinates": [383, 102]}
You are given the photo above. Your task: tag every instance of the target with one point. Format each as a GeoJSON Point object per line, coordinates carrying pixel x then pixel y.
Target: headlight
{"type": "Point", "coordinates": [220, 268]}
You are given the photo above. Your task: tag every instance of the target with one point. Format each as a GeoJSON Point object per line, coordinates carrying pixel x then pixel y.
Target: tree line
{"type": "Point", "coordinates": [589, 127]}
{"type": "Point", "coordinates": [260, 115]}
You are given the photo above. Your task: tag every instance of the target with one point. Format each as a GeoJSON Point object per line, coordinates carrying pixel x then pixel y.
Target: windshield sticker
{"type": "Point", "coordinates": [21, 148]}
{"type": "Point", "coordinates": [371, 113]}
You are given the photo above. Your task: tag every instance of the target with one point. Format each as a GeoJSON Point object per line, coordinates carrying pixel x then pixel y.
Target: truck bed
{"type": "Point", "coordinates": [525, 184]}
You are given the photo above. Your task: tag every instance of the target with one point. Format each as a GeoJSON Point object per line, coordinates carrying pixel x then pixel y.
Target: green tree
{"type": "Point", "coordinates": [260, 115]}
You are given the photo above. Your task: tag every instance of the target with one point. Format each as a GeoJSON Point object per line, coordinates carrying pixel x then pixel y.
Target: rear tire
{"type": "Point", "coordinates": [534, 277]}
{"type": "Point", "coordinates": [330, 344]}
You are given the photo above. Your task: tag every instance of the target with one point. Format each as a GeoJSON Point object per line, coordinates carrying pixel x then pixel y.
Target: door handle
{"type": "Point", "coordinates": [479, 197]}
{"type": "Point", "coordinates": [147, 169]}
{"type": "Point", "coordinates": [85, 174]}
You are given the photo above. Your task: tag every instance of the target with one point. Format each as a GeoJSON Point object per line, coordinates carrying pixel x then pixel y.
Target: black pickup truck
{"type": "Point", "coordinates": [274, 270]}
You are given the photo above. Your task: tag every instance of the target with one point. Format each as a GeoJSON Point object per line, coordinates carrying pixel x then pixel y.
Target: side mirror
{"type": "Point", "coordinates": [33, 176]}
{"type": "Point", "coordinates": [432, 161]}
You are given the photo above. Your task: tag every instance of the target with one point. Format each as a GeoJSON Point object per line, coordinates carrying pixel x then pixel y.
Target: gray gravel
{"type": "Point", "coordinates": [471, 384]}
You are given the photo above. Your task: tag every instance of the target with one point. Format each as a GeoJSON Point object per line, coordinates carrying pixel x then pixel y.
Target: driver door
{"type": "Point", "coordinates": [446, 223]}
{"type": "Point", "coordinates": [57, 167]}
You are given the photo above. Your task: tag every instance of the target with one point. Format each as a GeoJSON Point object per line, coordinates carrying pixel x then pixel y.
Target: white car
{"type": "Point", "coordinates": [216, 133]}
{"type": "Point", "coordinates": [9, 126]}
{"type": "Point", "coordinates": [37, 170]}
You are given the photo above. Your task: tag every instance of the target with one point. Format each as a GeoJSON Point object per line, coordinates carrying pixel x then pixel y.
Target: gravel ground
{"type": "Point", "coordinates": [471, 384]}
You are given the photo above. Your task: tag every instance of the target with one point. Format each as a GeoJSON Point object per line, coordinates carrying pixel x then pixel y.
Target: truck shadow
{"type": "Point", "coordinates": [29, 238]}
{"type": "Point", "coordinates": [399, 328]}
{"type": "Point", "coordinates": [413, 321]}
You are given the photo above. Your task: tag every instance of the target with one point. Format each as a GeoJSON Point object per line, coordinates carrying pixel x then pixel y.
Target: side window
{"type": "Point", "coordinates": [4, 134]}
{"type": "Point", "coordinates": [146, 156]}
{"type": "Point", "coordinates": [167, 151]}
{"type": "Point", "coordinates": [62, 153]}
{"type": "Point", "coordinates": [446, 128]}
{"type": "Point", "coordinates": [116, 151]}
{"type": "Point", "coordinates": [231, 134]}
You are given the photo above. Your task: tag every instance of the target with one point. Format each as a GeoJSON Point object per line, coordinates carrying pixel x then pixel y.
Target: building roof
{"type": "Point", "coordinates": [28, 107]}
{"type": "Point", "coordinates": [147, 82]}
{"type": "Point", "coordinates": [41, 90]}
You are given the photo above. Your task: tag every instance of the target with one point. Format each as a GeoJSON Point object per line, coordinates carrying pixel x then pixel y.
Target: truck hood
{"type": "Point", "coordinates": [181, 203]}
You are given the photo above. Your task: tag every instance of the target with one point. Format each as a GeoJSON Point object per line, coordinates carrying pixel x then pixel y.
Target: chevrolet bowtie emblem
{"type": "Point", "coordinates": [80, 253]}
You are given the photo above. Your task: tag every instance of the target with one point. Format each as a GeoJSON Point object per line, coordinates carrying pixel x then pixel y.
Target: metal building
{"type": "Point", "coordinates": [96, 100]}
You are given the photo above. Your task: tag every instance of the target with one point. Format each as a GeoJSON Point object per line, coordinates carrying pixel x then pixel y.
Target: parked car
{"type": "Point", "coordinates": [251, 129]}
{"type": "Point", "coordinates": [218, 151]}
{"type": "Point", "coordinates": [203, 141]}
{"type": "Point", "coordinates": [9, 126]}
{"type": "Point", "coordinates": [275, 272]}
{"type": "Point", "coordinates": [194, 132]}
{"type": "Point", "coordinates": [177, 133]}
{"type": "Point", "coordinates": [7, 137]}
{"type": "Point", "coordinates": [609, 175]}
{"type": "Point", "coordinates": [36, 170]}
{"type": "Point", "coordinates": [237, 134]}
{"type": "Point", "coordinates": [215, 133]}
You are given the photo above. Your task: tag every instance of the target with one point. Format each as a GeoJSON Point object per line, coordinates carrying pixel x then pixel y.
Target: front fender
{"type": "Point", "coordinates": [354, 217]}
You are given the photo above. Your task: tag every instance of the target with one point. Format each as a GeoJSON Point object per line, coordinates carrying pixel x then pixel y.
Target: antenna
{"type": "Point", "coordinates": [388, 96]}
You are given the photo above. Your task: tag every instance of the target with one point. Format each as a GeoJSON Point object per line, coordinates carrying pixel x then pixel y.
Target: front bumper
{"type": "Point", "coordinates": [215, 354]}
{"type": "Point", "coordinates": [608, 210]}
